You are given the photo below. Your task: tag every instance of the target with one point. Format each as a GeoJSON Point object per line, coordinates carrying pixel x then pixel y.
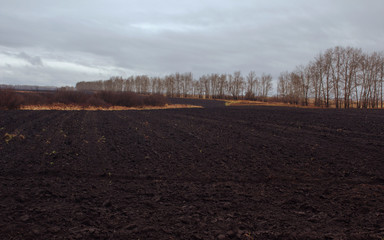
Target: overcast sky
{"type": "Point", "coordinates": [56, 43]}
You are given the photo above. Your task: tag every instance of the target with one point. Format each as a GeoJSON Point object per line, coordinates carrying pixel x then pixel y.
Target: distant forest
{"type": "Point", "coordinates": [28, 88]}
{"type": "Point", "coordinates": [183, 85]}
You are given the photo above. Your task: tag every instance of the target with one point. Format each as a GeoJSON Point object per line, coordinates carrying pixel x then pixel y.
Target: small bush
{"type": "Point", "coordinates": [129, 99]}
{"type": "Point", "coordinates": [126, 99]}
{"type": "Point", "coordinates": [9, 99]}
{"type": "Point", "coordinates": [96, 102]}
{"type": "Point", "coordinates": [13, 100]}
{"type": "Point", "coordinates": [155, 100]}
{"type": "Point", "coordinates": [37, 98]}
{"type": "Point", "coordinates": [249, 95]}
{"type": "Point", "coordinates": [71, 97]}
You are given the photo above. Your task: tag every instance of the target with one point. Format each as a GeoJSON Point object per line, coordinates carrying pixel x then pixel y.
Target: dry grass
{"type": "Point", "coordinates": [260, 103]}
{"type": "Point", "coordinates": [72, 107]}
{"type": "Point", "coordinates": [311, 104]}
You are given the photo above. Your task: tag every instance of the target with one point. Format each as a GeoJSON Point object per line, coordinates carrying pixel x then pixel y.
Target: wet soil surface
{"type": "Point", "coordinates": [213, 173]}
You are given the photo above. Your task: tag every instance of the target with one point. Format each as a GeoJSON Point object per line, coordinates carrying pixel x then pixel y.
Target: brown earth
{"type": "Point", "coordinates": [213, 173]}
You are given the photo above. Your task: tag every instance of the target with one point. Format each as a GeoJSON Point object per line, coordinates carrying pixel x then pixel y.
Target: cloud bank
{"type": "Point", "coordinates": [60, 43]}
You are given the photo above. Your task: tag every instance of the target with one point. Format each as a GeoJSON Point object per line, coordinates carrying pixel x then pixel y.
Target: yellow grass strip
{"type": "Point", "coordinates": [113, 108]}
{"type": "Point", "coordinates": [260, 103]}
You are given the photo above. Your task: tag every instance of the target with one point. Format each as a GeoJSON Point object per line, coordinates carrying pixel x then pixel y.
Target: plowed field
{"type": "Point", "coordinates": [212, 173]}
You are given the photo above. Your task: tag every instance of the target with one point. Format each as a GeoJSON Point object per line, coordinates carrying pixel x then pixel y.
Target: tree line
{"type": "Point", "coordinates": [213, 86]}
{"type": "Point", "coordinates": [343, 77]}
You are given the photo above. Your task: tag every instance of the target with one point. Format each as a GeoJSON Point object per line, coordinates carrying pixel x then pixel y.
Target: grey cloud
{"type": "Point", "coordinates": [159, 37]}
{"type": "Point", "coordinates": [36, 60]}
{"type": "Point", "coordinates": [33, 60]}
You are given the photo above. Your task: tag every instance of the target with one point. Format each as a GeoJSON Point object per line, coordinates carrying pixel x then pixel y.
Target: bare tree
{"type": "Point", "coordinates": [198, 89]}
{"type": "Point", "coordinates": [205, 83]}
{"type": "Point", "coordinates": [214, 80]}
{"type": "Point", "coordinates": [251, 85]}
{"type": "Point", "coordinates": [222, 85]}
{"type": "Point", "coordinates": [177, 84]}
{"type": "Point", "coordinates": [283, 86]}
{"type": "Point", "coordinates": [237, 82]}
{"type": "Point", "coordinates": [170, 85]}
{"type": "Point", "coordinates": [186, 79]}
{"type": "Point", "coordinates": [316, 69]}
{"type": "Point", "coordinates": [266, 85]}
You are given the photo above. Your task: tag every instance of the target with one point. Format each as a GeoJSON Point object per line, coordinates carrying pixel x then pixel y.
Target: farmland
{"type": "Point", "coordinates": [215, 172]}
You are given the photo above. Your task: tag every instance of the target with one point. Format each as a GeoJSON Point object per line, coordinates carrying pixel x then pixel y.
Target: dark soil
{"type": "Point", "coordinates": [213, 173]}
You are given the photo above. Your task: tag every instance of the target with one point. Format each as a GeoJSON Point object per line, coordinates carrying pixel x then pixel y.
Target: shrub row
{"type": "Point", "coordinates": [10, 99]}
